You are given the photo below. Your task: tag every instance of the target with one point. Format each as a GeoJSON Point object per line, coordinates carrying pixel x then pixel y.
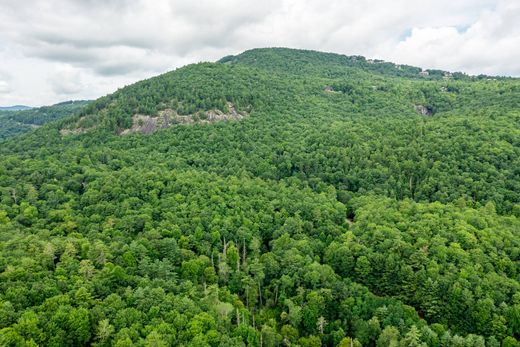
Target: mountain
{"type": "Point", "coordinates": [276, 197]}
{"type": "Point", "coordinates": [22, 120]}
{"type": "Point", "coordinates": [14, 108]}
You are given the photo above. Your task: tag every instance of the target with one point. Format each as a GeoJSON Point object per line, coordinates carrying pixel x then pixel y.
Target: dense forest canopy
{"type": "Point", "coordinates": [19, 120]}
{"type": "Point", "coordinates": [359, 203]}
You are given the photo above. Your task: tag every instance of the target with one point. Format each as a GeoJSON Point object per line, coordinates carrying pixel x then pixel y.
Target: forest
{"type": "Point", "coordinates": [16, 122]}
{"type": "Point", "coordinates": [359, 203]}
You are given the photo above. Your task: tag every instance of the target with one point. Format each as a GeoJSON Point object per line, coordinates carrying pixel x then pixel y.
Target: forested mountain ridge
{"type": "Point", "coordinates": [19, 121]}
{"type": "Point", "coordinates": [15, 108]}
{"type": "Point", "coordinates": [358, 204]}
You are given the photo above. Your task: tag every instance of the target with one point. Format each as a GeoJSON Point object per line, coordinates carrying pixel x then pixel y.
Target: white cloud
{"type": "Point", "coordinates": [4, 87]}
{"type": "Point", "coordinates": [490, 45]}
{"type": "Point", "coordinates": [104, 44]}
{"type": "Point", "coordinates": [66, 81]}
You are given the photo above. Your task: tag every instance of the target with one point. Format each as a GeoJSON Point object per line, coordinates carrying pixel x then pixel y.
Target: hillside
{"type": "Point", "coordinates": [15, 108]}
{"type": "Point", "coordinates": [19, 121]}
{"type": "Point", "coordinates": [278, 197]}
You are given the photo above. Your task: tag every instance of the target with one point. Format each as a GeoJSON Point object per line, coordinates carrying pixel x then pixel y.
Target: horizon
{"type": "Point", "coordinates": [291, 48]}
{"type": "Point", "coordinates": [87, 49]}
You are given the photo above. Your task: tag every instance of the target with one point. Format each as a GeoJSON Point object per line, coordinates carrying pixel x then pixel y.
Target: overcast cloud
{"type": "Point", "coordinates": [53, 50]}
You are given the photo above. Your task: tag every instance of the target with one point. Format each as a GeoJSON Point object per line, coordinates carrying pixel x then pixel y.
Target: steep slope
{"type": "Point", "coordinates": [432, 140]}
{"type": "Point", "coordinates": [351, 203]}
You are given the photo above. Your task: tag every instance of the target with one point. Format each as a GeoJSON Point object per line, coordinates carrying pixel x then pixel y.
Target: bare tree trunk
{"type": "Point", "coordinates": [411, 186]}
{"type": "Point", "coordinates": [243, 252]}
{"type": "Point", "coordinates": [238, 257]}
{"type": "Point", "coordinates": [260, 293]}
{"type": "Point", "coordinates": [13, 195]}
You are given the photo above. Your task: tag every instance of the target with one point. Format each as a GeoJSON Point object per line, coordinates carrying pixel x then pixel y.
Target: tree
{"type": "Point", "coordinates": [389, 337]}
{"type": "Point", "coordinates": [79, 325]}
{"type": "Point", "coordinates": [104, 331]}
{"type": "Point", "coordinates": [412, 338]}
{"type": "Point", "coordinates": [321, 324]}
{"type": "Point", "coordinates": [349, 342]}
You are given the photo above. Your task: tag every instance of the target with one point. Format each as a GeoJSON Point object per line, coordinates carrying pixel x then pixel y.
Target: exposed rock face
{"type": "Point", "coordinates": [149, 124]}
{"type": "Point", "coordinates": [424, 110]}
{"type": "Point", "coordinates": [76, 129]}
{"type": "Point", "coordinates": [329, 89]}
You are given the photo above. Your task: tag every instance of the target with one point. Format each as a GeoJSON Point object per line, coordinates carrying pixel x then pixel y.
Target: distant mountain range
{"type": "Point", "coordinates": [15, 108]}
{"type": "Point", "coordinates": [15, 120]}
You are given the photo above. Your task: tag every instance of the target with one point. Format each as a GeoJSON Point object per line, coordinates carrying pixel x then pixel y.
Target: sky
{"type": "Point", "coordinates": [56, 50]}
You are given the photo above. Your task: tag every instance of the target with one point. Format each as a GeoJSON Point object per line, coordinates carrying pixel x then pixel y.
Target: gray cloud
{"type": "Point", "coordinates": [109, 43]}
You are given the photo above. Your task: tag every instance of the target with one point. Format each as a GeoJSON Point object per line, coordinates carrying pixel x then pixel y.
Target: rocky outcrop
{"type": "Point", "coordinates": [329, 89]}
{"type": "Point", "coordinates": [76, 128]}
{"type": "Point", "coordinates": [423, 110]}
{"type": "Point", "coordinates": [145, 124]}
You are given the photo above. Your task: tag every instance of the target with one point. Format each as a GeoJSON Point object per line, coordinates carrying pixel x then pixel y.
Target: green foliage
{"type": "Point", "coordinates": [14, 123]}
{"type": "Point", "coordinates": [333, 215]}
